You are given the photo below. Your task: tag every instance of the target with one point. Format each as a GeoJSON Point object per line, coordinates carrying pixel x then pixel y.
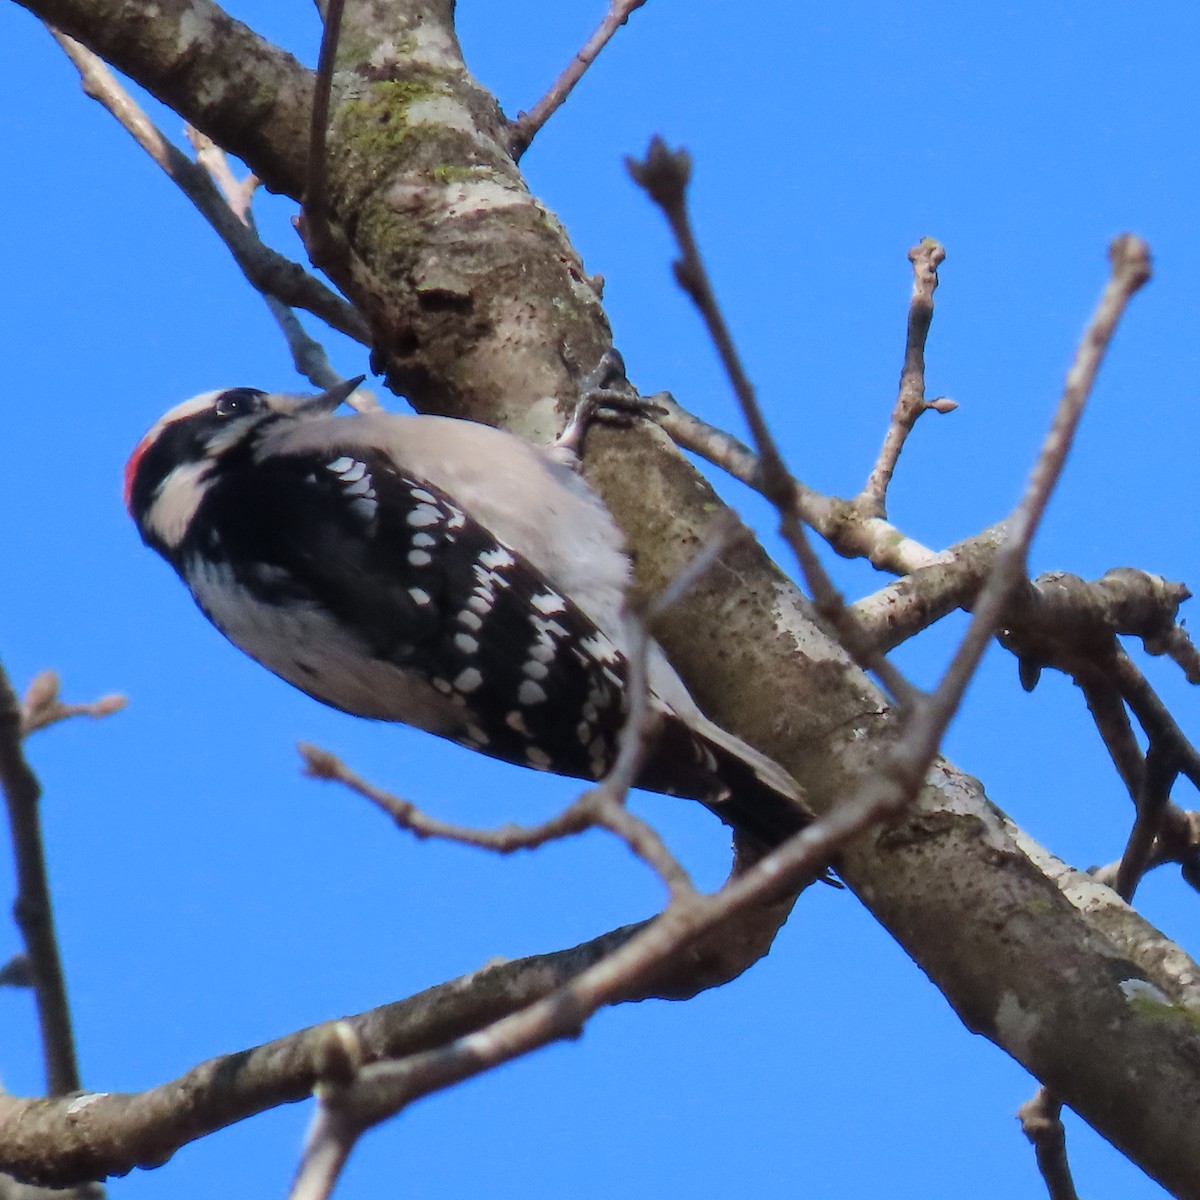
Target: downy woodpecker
{"type": "Point", "coordinates": [431, 571]}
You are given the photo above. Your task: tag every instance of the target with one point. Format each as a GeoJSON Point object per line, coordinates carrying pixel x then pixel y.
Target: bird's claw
{"type": "Point", "coordinates": [604, 394]}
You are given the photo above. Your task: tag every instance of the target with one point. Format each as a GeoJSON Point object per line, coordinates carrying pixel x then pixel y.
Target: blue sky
{"type": "Point", "coordinates": [210, 898]}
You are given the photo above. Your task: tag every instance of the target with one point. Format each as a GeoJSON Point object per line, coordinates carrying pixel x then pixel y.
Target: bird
{"type": "Point", "coordinates": [435, 572]}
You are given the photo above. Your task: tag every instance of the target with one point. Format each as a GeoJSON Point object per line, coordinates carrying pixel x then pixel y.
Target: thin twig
{"type": "Point", "coordinates": [43, 706]}
{"type": "Point", "coordinates": [1041, 1122]}
{"type": "Point", "coordinates": [1111, 719]}
{"type": "Point", "coordinates": [1155, 717]}
{"type": "Point", "coordinates": [308, 355]}
{"type": "Point", "coordinates": [238, 193]}
{"type": "Point", "coordinates": [1158, 777]}
{"type": "Point", "coordinates": [927, 723]}
{"type": "Point", "coordinates": [504, 839]}
{"type": "Point", "coordinates": [267, 271]}
{"type": "Point", "coordinates": [527, 125]}
{"type": "Point", "coordinates": [882, 544]}
{"type": "Point", "coordinates": [600, 807]}
{"type": "Point", "coordinates": [323, 248]}
{"type": "Point", "coordinates": [1130, 269]}
{"type": "Point", "coordinates": [910, 403]}
{"type": "Point", "coordinates": [664, 174]}
{"type": "Point", "coordinates": [383, 1089]}
{"type": "Point", "coordinates": [33, 909]}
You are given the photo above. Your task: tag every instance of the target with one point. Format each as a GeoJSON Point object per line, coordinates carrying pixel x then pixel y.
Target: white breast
{"type": "Point", "coordinates": [304, 645]}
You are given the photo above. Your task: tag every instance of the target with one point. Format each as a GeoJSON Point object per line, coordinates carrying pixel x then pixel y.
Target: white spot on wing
{"type": "Point", "coordinates": [423, 515]}
{"type": "Point", "coordinates": [497, 557]}
{"type": "Point", "coordinates": [599, 648]}
{"type": "Point", "coordinates": [469, 680]}
{"type": "Point", "coordinates": [550, 628]}
{"type": "Point", "coordinates": [530, 692]}
{"type": "Point", "coordinates": [420, 595]}
{"type": "Point", "coordinates": [542, 652]}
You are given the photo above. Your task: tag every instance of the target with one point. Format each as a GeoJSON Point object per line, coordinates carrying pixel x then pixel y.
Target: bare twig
{"type": "Point", "coordinates": [527, 125]}
{"type": "Point", "coordinates": [852, 536]}
{"type": "Point", "coordinates": [1155, 717]}
{"type": "Point", "coordinates": [308, 355]}
{"type": "Point", "coordinates": [1041, 1122]}
{"type": "Point", "coordinates": [600, 807]}
{"type": "Point", "coordinates": [664, 174]}
{"type": "Point", "coordinates": [112, 1133]}
{"type": "Point", "coordinates": [504, 839]}
{"type": "Point", "coordinates": [267, 271]}
{"type": "Point", "coordinates": [323, 248]}
{"type": "Point", "coordinates": [238, 193]}
{"type": "Point", "coordinates": [1130, 270]}
{"type": "Point", "coordinates": [1130, 259]}
{"type": "Point", "coordinates": [97, 1135]}
{"type": "Point", "coordinates": [33, 908]}
{"type": "Point", "coordinates": [910, 403]}
{"type": "Point", "coordinates": [381, 1090]}
{"type": "Point", "coordinates": [1111, 719]}
{"type": "Point", "coordinates": [1158, 777]}
{"type": "Point", "coordinates": [43, 707]}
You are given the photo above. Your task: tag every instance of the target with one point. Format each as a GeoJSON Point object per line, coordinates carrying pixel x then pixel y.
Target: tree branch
{"type": "Point", "coordinates": [911, 403]}
{"type": "Point", "coordinates": [529, 124]}
{"type": "Point", "coordinates": [32, 908]}
{"type": "Point", "coordinates": [267, 271]}
{"type": "Point", "coordinates": [248, 95]}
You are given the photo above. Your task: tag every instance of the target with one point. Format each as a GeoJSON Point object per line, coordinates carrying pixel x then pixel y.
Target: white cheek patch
{"type": "Point", "coordinates": [176, 501]}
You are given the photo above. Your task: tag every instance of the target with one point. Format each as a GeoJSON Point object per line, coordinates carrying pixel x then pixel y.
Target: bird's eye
{"type": "Point", "coordinates": [238, 402]}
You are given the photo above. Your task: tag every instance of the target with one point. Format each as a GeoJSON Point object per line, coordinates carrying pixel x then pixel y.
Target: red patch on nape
{"type": "Point", "coordinates": [131, 468]}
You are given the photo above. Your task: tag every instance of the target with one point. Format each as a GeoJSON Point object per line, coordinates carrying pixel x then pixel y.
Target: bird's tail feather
{"type": "Point", "coordinates": [745, 788]}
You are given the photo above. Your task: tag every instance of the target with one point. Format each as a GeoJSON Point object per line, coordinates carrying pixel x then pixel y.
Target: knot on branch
{"type": "Point", "coordinates": [1064, 621]}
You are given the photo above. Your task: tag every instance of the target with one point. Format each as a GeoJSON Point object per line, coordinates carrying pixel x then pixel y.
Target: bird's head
{"type": "Point", "coordinates": [165, 477]}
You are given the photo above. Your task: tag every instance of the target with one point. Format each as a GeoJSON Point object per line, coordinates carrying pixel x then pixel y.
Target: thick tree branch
{"type": "Point", "coordinates": [248, 95]}
{"type": "Point", "coordinates": [99, 1134]}
{"type": "Point", "coordinates": [267, 271]}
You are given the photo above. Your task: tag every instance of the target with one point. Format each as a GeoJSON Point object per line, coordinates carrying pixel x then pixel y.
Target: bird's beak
{"type": "Point", "coordinates": [329, 401]}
